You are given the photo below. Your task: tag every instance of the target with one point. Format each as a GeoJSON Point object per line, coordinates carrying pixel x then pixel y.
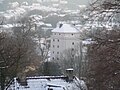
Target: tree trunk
{"type": "Point", "coordinates": [2, 81]}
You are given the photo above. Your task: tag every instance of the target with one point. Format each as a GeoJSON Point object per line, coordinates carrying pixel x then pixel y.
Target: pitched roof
{"type": "Point", "coordinates": [65, 28]}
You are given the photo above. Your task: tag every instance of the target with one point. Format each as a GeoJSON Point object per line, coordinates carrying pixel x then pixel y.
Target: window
{"type": "Point", "coordinates": [72, 56]}
{"type": "Point", "coordinates": [58, 40]}
{"type": "Point", "coordinates": [59, 34]}
{"type": "Point", "coordinates": [53, 52]}
{"type": "Point", "coordinates": [72, 34]}
{"type": "Point", "coordinates": [53, 46]}
{"type": "Point", "coordinates": [57, 58]}
{"type": "Point", "coordinates": [72, 43]}
{"type": "Point", "coordinates": [72, 49]}
{"type": "Point", "coordinates": [53, 40]}
{"type": "Point", "coordinates": [58, 46]}
{"type": "Point", "coordinates": [57, 52]}
{"type": "Point", "coordinates": [53, 58]}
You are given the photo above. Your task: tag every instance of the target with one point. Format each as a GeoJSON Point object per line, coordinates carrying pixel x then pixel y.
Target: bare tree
{"type": "Point", "coordinates": [104, 61]}
{"type": "Point", "coordinates": [74, 58]}
{"type": "Point", "coordinates": [7, 54]}
{"type": "Point", "coordinates": [103, 54]}
{"type": "Point", "coordinates": [17, 51]}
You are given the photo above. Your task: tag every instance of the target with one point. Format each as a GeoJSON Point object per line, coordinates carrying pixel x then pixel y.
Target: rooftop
{"type": "Point", "coordinates": [65, 28]}
{"type": "Point", "coordinates": [48, 83]}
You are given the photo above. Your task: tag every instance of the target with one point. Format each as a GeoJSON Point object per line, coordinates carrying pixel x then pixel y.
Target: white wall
{"type": "Point", "coordinates": [61, 42]}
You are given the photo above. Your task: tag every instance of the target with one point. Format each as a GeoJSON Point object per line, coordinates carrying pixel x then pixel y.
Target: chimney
{"type": "Point", "coordinates": [60, 25]}
{"type": "Point", "coordinates": [69, 73]}
{"type": "Point", "coordinates": [22, 79]}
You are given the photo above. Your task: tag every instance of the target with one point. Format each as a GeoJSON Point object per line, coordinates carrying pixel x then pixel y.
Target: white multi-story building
{"type": "Point", "coordinates": [64, 36]}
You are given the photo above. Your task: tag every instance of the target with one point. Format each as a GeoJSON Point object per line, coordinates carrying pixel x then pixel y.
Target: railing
{"type": "Point", "coordinates": [9, 83]}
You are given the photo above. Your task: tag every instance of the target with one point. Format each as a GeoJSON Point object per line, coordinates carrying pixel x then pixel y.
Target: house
{"type": "Point", "coordinates": [68, 82]}
{"type": "Point", "coordinates": [64, 36]}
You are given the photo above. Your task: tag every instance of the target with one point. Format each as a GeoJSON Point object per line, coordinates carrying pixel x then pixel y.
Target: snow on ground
{"type": "Point", "coordinates": [16, 11]}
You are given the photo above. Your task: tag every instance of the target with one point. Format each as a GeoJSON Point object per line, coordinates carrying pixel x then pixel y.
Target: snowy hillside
{"type": "Point", "coordinates": [44, 15]}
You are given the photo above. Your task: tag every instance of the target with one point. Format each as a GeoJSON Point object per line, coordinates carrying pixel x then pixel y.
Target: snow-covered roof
{"type": "Point", "coordinates": [70, 69]}
{"type": "Point", "coordinates": [48, 83]}
{"type": "Point", "coordinates": [88, 41]}
{"type": "Point", "coordinates": [65, 28]}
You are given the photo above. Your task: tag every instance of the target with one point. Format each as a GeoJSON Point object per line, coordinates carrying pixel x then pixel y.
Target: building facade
{"type": "Point", "coordinates": [64, 36]}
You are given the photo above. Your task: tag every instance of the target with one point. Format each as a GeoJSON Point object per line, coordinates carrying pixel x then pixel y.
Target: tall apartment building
{"type": "Point", "coordinates": [64, 36]}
